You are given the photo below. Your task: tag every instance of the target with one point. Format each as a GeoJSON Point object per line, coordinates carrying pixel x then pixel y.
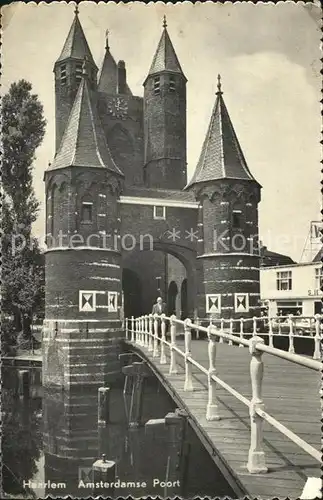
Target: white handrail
{"type": "Point", "coordinates": [256, 459]}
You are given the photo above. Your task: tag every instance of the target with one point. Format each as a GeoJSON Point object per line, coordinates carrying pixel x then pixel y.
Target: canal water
{"type": "Point", "coordinates": [51, 440]}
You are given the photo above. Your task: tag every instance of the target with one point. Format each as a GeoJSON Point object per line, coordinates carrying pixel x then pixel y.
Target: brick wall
{"type": "Point", "coordinates": [68, 271]}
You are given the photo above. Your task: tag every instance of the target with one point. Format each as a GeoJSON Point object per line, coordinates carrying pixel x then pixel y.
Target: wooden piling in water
{"type": "Point", "coordinates": [137, 372]}
{"type": "Point", "coordinates": [24, 383]}
{"type": "Point", "coordinates": [103, 406]}
{"type": "Point", "coordinates": [104, 473]}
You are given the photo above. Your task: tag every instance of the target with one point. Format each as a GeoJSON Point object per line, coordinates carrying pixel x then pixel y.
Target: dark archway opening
{"type": "Point", "coordinates": [184, 304]}
{"type": "Point", "coordinates": [171, 298]}
{"type": "Point", "coordinates": [132, 292]}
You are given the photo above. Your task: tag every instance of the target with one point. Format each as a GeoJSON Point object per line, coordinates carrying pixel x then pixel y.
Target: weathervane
{"type": "Point", "coordinates": [76, 11]}
{"type": "Point", "coordinates": [219, 85]}
{"type": "Point", "coordinates": [107, 39]}
{"type": "Point", "coordinates": [164, 22]}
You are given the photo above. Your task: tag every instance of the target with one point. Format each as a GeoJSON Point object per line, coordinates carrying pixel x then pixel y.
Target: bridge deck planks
{"type": "Point", "coordinates": [290, 394]}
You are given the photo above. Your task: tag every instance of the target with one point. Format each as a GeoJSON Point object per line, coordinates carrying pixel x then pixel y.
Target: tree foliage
{"type": "Point", "coordinates": [21, 442]}
{"type": "Point", "coordinates": [23, 129]}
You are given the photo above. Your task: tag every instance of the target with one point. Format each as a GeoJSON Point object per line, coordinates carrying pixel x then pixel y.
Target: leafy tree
{"type": "Point", "coordinates": [21, 442]}
{"type": "Point", "coordinates": [23, 129]}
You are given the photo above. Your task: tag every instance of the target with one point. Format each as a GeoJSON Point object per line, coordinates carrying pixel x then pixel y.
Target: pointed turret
{"type": "Point", "coordinates": [68, 73]}
{"type": "Point", "coordinates": [112, 78]}
{"type": "Point", "coordinates": [76, 46]}
{"type": "Point", "coordinates": [221, 156]}
{"type": "Point", "coordinates": [165, 119]}
{"type": "Point", "coordinates": [165, 58]}
{"type": "Point", "coordinates": [83, 143]}
{"type": "Point", "coordinates": [228, 196]}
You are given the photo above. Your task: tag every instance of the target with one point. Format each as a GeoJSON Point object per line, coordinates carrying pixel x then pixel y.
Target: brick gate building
{"type": "Point", "coordinates": [122, 223]}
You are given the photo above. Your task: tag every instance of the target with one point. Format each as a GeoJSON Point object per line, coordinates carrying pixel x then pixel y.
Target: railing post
{"type": "Point", "coordinates": [188, 385]}
{"type": "Point", "coordinates": [291, 334]}
{"type": "Point", "coordinates": [317, 338]}
{"type": "Point", "coordinates": [221, 330]}
{"type": "Point", "coordinates": [241, 331]}
{"type": "Point", "coordinates": [256, 458]}
{"type": "Point", "coordinates": [137, 331]}
{"type": "Point", "coordinates": [142, 339]}
{"type": "Point", "coordinates": [140, 330]}
{"type": "Point", "coordinates": [155, 350]}
{"type": "Point", "coordinates": [270, 332]}
{"type": "Point", "coordinates": [127, 329]}
{"type": "Point", "coordinates": [212, 409]}
{"type": "Point", "coordinates": [151, 331]}
{"type": "Point", "coordinates": [132, 329]}
{"type": "Point", "coordinates": [173, 365]}
{"type": "Point", "coordinates": [146, 330]}
{"type": "Point", "coordinates": [138, 339]}
{"type": "Point", "coordinates": [254, 324]}
{"type": "Point", "coordinates": [231, 330]}
{"type": "Point", "coordinates": [163, 339]}
{"type": "Point", "coordinates": [197, 322]}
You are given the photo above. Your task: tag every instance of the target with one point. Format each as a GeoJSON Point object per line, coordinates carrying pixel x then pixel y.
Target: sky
{"type": "Point", "coordinates": [269, 59]}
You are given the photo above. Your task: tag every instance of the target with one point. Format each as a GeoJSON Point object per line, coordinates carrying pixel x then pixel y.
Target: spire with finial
{"type": "Point", "coordinates": [219, 85]}
{"type": "Point", "coordinates": [76, 46]}
{"type": "Point", "coordinates": [165, 58]}
{"type": "Point", "coordinates": [107, 40]}
{"type": "Point", "coordinates": [221, 155]}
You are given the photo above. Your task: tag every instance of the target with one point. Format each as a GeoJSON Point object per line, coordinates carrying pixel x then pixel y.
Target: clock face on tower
{"type": "Point", "coordinates": [118, 107]}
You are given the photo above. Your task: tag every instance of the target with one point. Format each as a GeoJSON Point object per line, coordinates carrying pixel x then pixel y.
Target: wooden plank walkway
{"type": "Point", "coordinates": [291, 395]}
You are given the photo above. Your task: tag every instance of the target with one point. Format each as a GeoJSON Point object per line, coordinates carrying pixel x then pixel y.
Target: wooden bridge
{"type": "Point", "coordinates": [265, 446]}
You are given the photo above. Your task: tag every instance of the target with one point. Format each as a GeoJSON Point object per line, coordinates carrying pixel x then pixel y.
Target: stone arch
{"type": "Point", "coordinates": [186, 256]}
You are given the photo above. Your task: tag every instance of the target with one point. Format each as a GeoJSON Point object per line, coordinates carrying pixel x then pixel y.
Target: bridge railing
{"type": "Point", "coordinates": [144, 331]}
{"type": "Point", "coordinates": [306, 327]}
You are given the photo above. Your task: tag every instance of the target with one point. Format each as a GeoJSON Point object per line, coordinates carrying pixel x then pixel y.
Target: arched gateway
{"type": "Point", "coordinates": [122, 224]}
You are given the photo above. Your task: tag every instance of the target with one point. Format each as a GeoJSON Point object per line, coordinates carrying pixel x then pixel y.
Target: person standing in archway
{"type": "Point", "coordinates": [159, 308]}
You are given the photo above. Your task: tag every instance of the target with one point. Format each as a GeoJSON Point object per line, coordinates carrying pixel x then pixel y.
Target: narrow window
{"type": "Point", "coordinates": [158, 283]}
{"type": "Point", "coordinates": [159, 212]}
{"type": "Point", "coordinates": [63, 74]}
{"type": "Point", "coordinates": [172, 86]}
{"type": "Point", "coordinates": [78, 72]}
{"type": "Point", "coordinates": [319, 278]}
{"type": "Point", "coordinates": [157, 85]}
{"type": "Point", "coordinates": [236, 219]}
{"type": "Point", "coordinates": [86, 212]}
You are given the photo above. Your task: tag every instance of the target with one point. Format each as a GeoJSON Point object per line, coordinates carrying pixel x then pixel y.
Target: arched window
{"type": "Point", "coordinates": [86, 208]}
{"type": "Point", "coordinates": [237, 216]}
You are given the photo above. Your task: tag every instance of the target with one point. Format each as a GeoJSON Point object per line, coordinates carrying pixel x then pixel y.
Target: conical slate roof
{"type": "Point", "coordinates": [221, 156]}
{"type": "Point", "coordinates": [75, 45]}
{"type": "Point", "coordinates": [165, 58]}
{"type": "Point", "coordinates": [107, 81]}
{"type": "Point", "coordinates": [83, 143]}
